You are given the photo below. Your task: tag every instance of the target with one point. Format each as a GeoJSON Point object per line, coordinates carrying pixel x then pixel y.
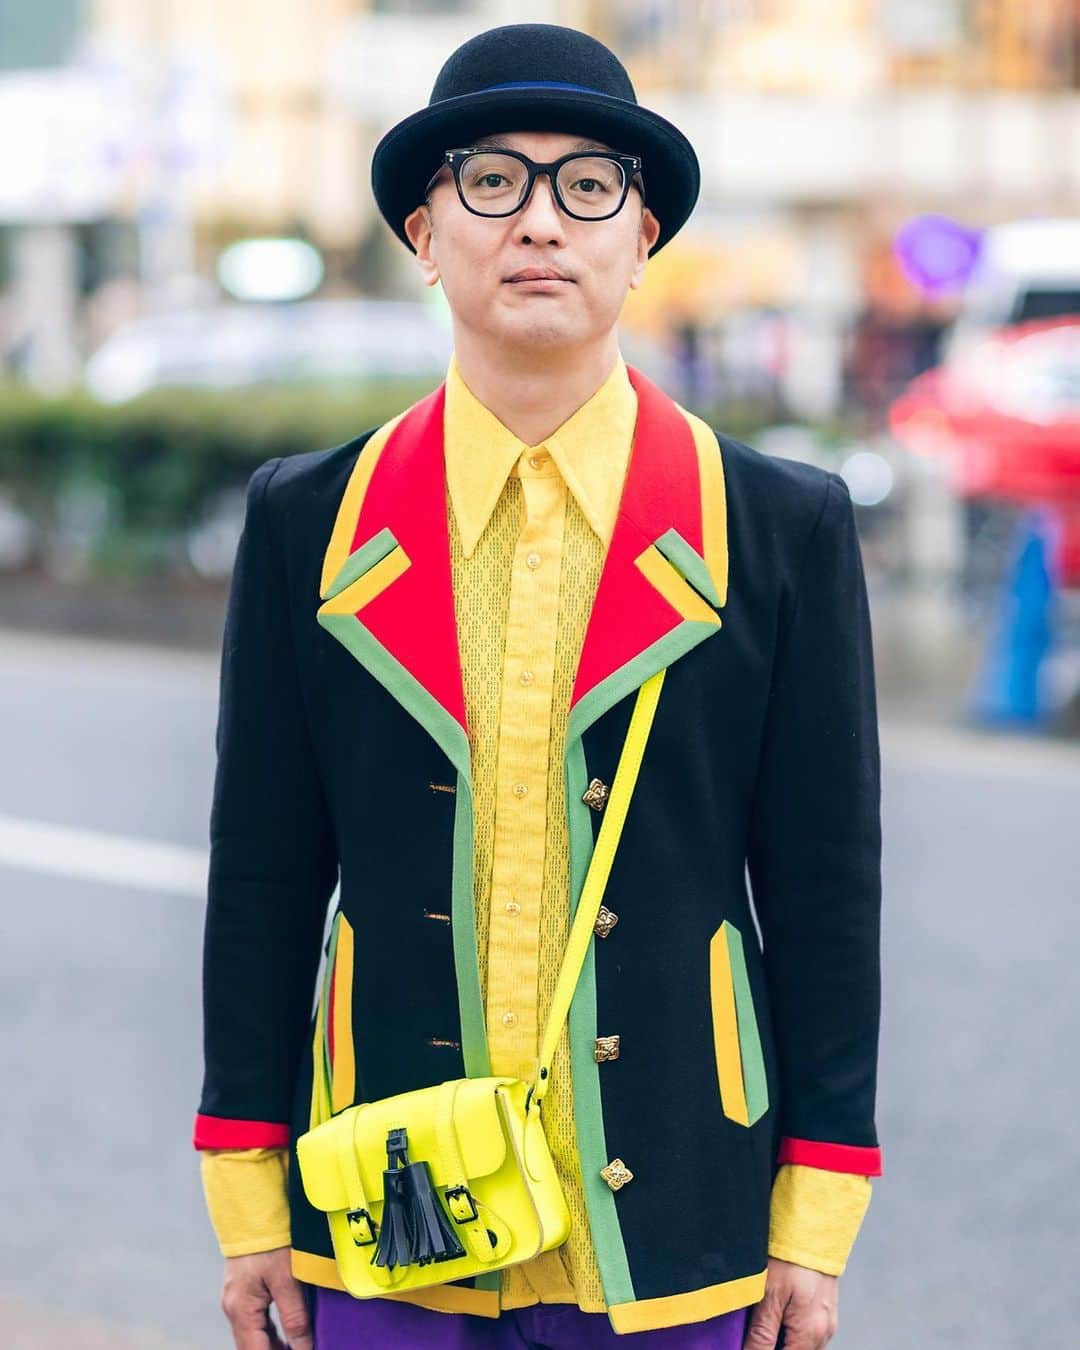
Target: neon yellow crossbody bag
{"type": "Point", "coordinates": [457, 1179]}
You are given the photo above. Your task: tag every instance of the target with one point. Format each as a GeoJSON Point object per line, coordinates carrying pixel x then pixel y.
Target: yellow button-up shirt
{"type": "Point", "coordinates": [529, 531]}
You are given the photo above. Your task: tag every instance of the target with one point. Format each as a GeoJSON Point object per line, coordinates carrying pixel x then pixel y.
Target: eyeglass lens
{"type": "Point", "coordinates": [492, 183]}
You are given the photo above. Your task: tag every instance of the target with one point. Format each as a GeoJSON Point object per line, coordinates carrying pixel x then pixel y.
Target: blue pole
{"type": "Point", "coordinates": [1011, 687]}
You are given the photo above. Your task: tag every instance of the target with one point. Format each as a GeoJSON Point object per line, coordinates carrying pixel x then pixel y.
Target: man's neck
{"type": "Point", "coordinates": [534, 396]}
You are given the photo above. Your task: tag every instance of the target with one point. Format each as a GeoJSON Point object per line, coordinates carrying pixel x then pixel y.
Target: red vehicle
{"type": "Point", "coordinates": [1005, 414]}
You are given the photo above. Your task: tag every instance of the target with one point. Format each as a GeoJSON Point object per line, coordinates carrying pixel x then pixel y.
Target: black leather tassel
{"type": "Point", "coordinates": [414, 1227]}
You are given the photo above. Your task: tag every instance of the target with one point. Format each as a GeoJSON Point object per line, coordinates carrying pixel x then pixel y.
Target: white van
{"type": "Point", "coordinates": [1026, 269]}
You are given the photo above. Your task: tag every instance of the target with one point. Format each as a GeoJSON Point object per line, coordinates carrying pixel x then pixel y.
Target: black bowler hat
{"type": "Point", "coordinates": [534, 77]}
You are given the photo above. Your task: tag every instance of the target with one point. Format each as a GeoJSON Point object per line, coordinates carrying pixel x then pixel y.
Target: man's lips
{"type": "Point", "coordinates": [535, 274]}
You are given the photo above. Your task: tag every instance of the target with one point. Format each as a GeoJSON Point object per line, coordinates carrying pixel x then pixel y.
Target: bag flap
{"type": "Point", "coordinates": [325, 1154]}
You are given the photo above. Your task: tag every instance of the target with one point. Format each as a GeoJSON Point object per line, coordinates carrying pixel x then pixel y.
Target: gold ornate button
{"type": "Point", "coordinates": [606, 919]}
{"type": "Point", "coordinates": [607, 1047]}
{"type": "Point", "coordinates": [596, 794]}
{"type": "Point", "coordinates": [616, 1174]}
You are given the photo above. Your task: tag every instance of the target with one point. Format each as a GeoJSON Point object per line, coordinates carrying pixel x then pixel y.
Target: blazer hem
{"type": "Point", "coordinates": [646, 1314]}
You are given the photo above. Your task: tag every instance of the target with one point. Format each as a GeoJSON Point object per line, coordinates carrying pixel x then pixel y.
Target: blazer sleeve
{"type": "Point", "coordinates": [273, 858]}
{"type": "Point", "coordinates": [814, 855]}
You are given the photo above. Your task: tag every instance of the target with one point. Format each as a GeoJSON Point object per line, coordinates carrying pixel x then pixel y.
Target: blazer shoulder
{"type": "Point", "coordinates": [790, 488]}
{"type": "Point", "coordinates": [313, 472]}
{"type": "Point", "coordinates": [777, 508]}
{"type": "Point", "coordinates": [302, 492]}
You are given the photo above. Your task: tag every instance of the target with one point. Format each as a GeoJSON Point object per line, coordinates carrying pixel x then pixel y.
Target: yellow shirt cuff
{"type": "Point", "coordinates": [246, 1198]}
{"type": "Point", "coordinates": [815, 1216]}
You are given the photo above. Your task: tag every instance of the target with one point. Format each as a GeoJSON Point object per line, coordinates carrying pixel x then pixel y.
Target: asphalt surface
{"type": "Point", "coordinates": [108, 762]}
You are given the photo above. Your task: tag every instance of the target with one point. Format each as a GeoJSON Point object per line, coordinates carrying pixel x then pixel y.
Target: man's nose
{"type": "Point", "coordinates": [541, 213]}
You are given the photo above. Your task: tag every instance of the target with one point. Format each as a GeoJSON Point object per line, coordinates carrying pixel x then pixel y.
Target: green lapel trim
{"type": "Point", "coordinates": [362, 560]}
{"type": "Point", "coordinates": [689, 562]}
{"type": "Point", "coordinates": [589, 1118]}
{"type": "Point", "coordinates": [753, 1065]}
{"type": "Point", "coordinates": [592, 1145]}
{"type": "Point", "coordinates": [449, 734]}
{"type": "Point", "coordinates": [635, 672]}
{"type": "Point", "coordinates": [474, 1046]}
{"type": "Point", "coordinates": [446, 730]}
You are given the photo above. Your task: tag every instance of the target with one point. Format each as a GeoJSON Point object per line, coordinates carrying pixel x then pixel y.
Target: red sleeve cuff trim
{"type": "Point", "coordinates": [217, 1132]}
{"type": "Point", "coordinates": [834, 1157]}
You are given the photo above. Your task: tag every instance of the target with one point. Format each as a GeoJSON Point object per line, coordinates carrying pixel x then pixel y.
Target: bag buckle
{"type": "Point", "coordinates": [458, 1194]}
{"type": "Point", "coordinates": [354, 1216]}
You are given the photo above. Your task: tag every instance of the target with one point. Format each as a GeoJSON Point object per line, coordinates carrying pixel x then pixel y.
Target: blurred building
{"type": "Point", "coordinates": [154, 133]}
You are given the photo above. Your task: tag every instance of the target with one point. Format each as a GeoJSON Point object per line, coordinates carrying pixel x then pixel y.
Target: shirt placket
{"type": "Point", "coordinates": [522, 769]}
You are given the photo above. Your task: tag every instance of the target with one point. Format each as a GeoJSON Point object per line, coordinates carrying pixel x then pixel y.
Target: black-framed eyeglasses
{"type": "Point", "coordinates": [588, 184]}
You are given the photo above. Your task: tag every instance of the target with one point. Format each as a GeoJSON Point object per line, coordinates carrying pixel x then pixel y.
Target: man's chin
{"type": "Point", "coordinates": [534, 330]}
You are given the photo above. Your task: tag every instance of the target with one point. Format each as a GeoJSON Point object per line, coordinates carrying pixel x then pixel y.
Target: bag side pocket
{"type": "Point", "coordinates": [740, 1065]}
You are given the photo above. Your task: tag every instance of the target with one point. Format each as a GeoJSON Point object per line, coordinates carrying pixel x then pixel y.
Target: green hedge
{"type": "Point", "coordinates": [149, 466]}
{"type": "Point", "coordinates": [163, 453]}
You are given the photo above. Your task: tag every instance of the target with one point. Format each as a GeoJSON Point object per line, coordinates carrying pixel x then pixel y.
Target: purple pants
{"type": "Point", "coordinates": [346, 1323]}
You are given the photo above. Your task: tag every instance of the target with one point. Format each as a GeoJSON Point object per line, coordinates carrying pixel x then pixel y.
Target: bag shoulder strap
{"type": "Point", "coordinates": [596, 877]}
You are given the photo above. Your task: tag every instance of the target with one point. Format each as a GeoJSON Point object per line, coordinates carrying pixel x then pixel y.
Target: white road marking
{"type": "Point", "coordinates": [1001, 754]}
{"type": "Point", "coordinates": [93, 855]}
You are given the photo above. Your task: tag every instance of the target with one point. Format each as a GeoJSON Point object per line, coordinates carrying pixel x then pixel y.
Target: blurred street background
{"type": "Point", "coordinates": [882, 277]}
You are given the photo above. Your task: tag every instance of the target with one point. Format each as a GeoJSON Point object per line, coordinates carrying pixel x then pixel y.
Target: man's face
{"type": "Point", "coordinates": [475, 257]}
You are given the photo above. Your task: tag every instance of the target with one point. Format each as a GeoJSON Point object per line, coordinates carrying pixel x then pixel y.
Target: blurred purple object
{"type": "Point", "coordinates": [936, 253]}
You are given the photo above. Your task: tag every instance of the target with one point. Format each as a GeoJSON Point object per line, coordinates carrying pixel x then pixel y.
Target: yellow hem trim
{"type": "Point", "coordinates": [451, 1298]}
{"type": "Point", "coordinates": [649, 1314]}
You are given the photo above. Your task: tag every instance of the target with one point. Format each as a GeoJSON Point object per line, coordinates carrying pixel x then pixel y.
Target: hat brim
{"type": "Point", "coordinates": [409, 153]}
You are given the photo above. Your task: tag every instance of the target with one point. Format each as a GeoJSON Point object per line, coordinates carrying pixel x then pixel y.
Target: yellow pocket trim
{"type": "Point", "coordinates": [726, 1028]}
{"type": "Point", "coordinates": [740, 1066]}
{"type": "Point", "coordinates": [343, 1067]}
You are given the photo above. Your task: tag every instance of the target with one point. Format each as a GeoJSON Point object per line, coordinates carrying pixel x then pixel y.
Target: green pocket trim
{"type": "Point", "coordinates": [755, 1083]}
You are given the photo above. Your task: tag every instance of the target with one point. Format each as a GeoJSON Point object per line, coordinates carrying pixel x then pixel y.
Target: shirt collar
{"type": "Point", "coordinates": [591, 450]}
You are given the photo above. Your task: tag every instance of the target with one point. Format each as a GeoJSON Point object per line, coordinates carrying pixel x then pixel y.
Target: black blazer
{"type": "Point", "coordinates": [343, 749]}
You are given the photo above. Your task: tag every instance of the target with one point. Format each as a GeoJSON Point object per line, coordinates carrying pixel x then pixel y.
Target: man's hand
{"type": "Point", "coordinates": [801, 1301]}
{"type": "Point", "coordinates": [252, 1283]}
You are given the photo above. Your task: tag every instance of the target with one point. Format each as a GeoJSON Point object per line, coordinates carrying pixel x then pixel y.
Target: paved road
{"type": "Point", "coordinates": [108, 757]}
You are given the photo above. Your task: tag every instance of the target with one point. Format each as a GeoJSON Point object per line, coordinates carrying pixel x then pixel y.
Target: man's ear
{"type": "Point", "coordinates": [419, 231]}
{"type": "Point", "coordinates": [647, 236]}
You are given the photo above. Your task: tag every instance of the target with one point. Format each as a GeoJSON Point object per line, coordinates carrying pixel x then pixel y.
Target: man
{"type": "Point", "coordinates": [435, 636]}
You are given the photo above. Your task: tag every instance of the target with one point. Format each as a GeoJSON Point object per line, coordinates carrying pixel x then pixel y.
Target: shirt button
{"type": "Point", "coordinates": [526, 677]}
{"type": "Point", "coordinates": [509, 1018]}
{"type": "Point", "coordinates": [538, 461]}
{"type": "Point", "coordinates": [520, 789]}
{"type": "Point", "coordinates": [512, 907]}
{"type": "Point", "coordinates": [533, 560]}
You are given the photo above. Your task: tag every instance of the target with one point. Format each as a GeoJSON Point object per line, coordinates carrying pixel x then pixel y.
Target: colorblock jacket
{"type": "Point", "coordinates": [344, 754]}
